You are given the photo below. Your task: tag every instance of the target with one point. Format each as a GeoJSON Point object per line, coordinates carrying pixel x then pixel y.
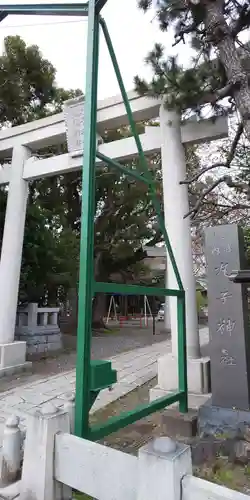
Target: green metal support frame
{"type": "Point", "coordinates": [93, 376]}
{"type": "Point", "coordinates": [87, 286]}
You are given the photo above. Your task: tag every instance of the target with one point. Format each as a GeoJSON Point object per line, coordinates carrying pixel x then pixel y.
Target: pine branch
{"type": "Point", "coordinates": [193, 211]}
{"type": "Point", "coordinates": [212, 96]}
{"type": "Point", "coordinates": [224, 179]}
{"type": "Point", "coordinates": [203, 171]}
{"type": "Point", "coordinates": [242, 186]}
{"type": "Point", "coordinates": [243, 20]}
{"type": "Point", "coordinates": [238, 206]}
{"type": "Point", "coordinates": [182, 31]}
{"type": "Point", "coordinates": [222, 214]}
{"type": "Point", "coordinates": [226, 164]}
{"type": "Point", "coordinates": [235, 143]}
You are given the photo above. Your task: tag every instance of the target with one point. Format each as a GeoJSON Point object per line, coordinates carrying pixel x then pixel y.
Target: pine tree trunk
{"type": "Point", "coordinates": [221, 38]}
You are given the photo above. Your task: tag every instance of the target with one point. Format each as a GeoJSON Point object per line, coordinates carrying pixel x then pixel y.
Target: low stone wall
{"type": "Point", "coordinates": [38, 326]}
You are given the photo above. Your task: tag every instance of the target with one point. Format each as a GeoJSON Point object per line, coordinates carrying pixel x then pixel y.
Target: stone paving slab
{"type": "Point", "coordinates": [134, 368]}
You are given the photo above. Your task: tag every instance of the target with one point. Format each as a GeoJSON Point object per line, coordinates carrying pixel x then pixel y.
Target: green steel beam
{"type": "Point", "coordinates": [182, 353]}
{"type": "Point", "coordinates": [100, 287]}
{"type": "Point", "coordinates": [124, 170]}
{"type": "Point", "coordinates": [60, 9]}
{"type": "Point", "coordinates": [140, 151]}
{"type": "Point", "coordinates": [86, 268]}
{"type": "Point", "coordinates": [113, 424]}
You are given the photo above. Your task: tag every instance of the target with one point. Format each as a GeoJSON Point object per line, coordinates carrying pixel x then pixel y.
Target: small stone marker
{"type": "Point", "coordinates": [227, 318]}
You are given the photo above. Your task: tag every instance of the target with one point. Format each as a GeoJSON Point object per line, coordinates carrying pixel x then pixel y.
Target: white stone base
{"type": "Point", "coordinates": [198, 372]}
{"type": "Point", "coordinates": [194, 400]}
{"type": "Point", "coordinates": [13, 370]}
{"type": "Point", "coordinates": [13, 358]}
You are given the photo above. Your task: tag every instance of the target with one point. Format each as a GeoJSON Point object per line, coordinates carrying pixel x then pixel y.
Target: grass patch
{"type": "Point", "coordinates": [222, 472]}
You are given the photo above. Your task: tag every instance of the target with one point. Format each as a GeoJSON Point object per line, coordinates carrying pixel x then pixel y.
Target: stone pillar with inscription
{"type": "Point", "coordinates": [74, 121]}
{"type": "Point", "coordinates": [227, 318]}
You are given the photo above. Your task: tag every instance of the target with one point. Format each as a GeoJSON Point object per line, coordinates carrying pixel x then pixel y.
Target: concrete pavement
{"type": "Point", "coordinates": [134, 368]}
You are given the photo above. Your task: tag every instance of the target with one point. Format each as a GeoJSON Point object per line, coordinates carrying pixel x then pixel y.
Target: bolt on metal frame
{"type": "Point", "coordinates": [91, 377]}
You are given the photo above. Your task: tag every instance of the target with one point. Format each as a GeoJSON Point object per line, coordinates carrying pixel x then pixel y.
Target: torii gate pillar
{"type": "Point", "coordinates": [13, 354]}
{"type": "Point", "coordinates": [176, 205]}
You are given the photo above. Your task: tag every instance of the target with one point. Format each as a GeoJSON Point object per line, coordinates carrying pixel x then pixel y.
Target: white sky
{"type": "Point", "coordinates": [62, 41]}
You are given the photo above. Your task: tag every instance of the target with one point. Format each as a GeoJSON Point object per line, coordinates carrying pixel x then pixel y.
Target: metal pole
{"type": "Point", "coordinates": [109, 310]}
{"type": "Point", "coordinates": [145, 311]}
{"type": "Point", "coordinates": [182, 353]}
{"type": "Point", "coordinates": [86, 270]}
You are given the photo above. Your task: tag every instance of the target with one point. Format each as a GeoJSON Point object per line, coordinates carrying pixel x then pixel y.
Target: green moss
{"type": "Point", "coordinates": [81, 496]}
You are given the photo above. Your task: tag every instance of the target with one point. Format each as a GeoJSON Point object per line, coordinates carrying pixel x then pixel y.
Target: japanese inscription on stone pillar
{"type": "Point", "coordinates": [227, 318]}
{"type": "Point", "coordinates": [74, 119]}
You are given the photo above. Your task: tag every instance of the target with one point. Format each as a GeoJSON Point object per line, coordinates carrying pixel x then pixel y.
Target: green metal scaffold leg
{"type": "Point", "coordinates": [92, 377]}
{"type": "Point", "coordinates": [84, 332]}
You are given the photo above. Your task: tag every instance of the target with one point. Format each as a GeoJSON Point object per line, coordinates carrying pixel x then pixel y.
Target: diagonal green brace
{"type": "Point", "coordinates": [126, 171]}
{"type": "Point", "coordinates": [140, 151]}
{"type": "Point", "coordinates": [117, 422]}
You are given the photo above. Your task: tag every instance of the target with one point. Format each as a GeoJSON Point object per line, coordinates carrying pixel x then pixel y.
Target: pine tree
{"type": "Point", "coordinates": [218, 80]}
{"type": "Point", "coordinates": [221, 66]}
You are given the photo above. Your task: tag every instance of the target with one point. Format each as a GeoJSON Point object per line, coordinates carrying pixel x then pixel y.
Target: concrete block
{"type": "Point", "coordinates": [53, 331]}
{"type": "Point", "coordinates": [54, 337]}
{"type": "Point", "coordinates": [177, 424]}
{"type": "Point", "coordinates": [31, 349]}
{"type": "Point", "coordinates": [214, 420]}
{"type": "Point", "coordinates": [36, 339]}
{"type": "Point", "coordinates": [207, 449]}
{"type": "Point", "coordinates": [54, 346]}
{"type": "Point", "coordinates": [162, 465]}
{"type": "Point", "coordinates": [25, 331]}
{"type": "Point", "coordinates": [198, 371]}
{"type": "Point", "coordinates": [11, 370]}
{"type": "Point", "coordinates": [12, 354]}
{"type": "Point", "coordinates": [40, 348]}
{"type": "Point", "coordinates": [242, 451]}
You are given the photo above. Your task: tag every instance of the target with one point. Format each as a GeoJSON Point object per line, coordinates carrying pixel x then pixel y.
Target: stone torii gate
{"type": "Point", "coordinates": [22, 142]}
